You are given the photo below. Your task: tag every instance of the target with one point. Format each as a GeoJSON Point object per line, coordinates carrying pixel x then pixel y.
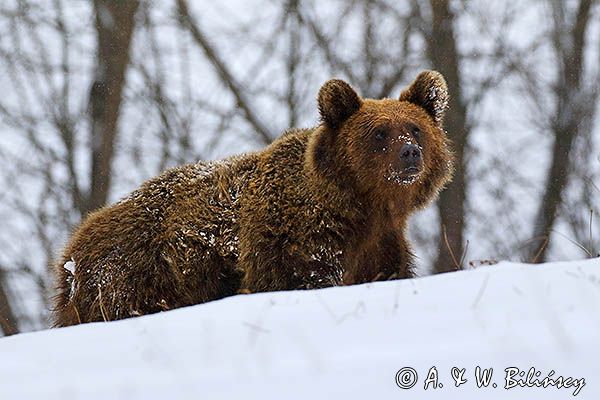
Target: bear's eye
{"type": "Point", "coordinates": [416, 132]}
{"type": "Point", "coordinates": [380, 134]}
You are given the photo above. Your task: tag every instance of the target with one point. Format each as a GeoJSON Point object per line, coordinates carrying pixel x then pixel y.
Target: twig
{"type": "Point", "coordinates": [464, 254]}
{"type": "Point", "coordinates": [582, 247]}
{"type": "Point", "coordinates": [255, 327]}
{"type": "Point", "coordinates": [591, 237]}
{"type": "Point", "coordinates": [481, 291]}
{"type": "Point", "coordinates": [101, 305]}
{"type": "Point", "coordinates": [540, 250]}
{"type": "Point", "coordinates": [456, 264]}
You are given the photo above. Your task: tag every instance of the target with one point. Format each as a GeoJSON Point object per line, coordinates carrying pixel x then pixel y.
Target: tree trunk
{"type": "Point", "coordinates": [8, 320]}
{"type": "Point", "coordinates": [115, 21]}
{"type": "Point", "coordinates": [451, 204]}
{"type": "Point", "coordinates": [573, 109]}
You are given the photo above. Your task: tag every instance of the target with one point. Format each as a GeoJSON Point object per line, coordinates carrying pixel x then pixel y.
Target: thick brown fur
{"type": "Point", "coordinates": [318, 207]}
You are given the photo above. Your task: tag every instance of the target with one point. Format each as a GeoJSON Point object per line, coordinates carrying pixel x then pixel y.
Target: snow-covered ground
{"type": "Point", "coordinates": [346, 342]}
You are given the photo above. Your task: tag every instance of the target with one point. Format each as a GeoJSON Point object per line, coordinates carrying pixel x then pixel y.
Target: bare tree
{"type": "Point", "coordinates": [38, 112]}
{"type": "Point", "coordinates": [44, 111]}
{"type": "Point", "coordinates": [443, 51]}
{"type": "Point", "coordinates": [115, 21]}
{"type": "Point", "coordinates": [575, 107]}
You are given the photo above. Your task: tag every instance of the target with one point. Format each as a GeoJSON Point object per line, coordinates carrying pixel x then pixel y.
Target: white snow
{"type": "Point", "coordinates": [344, 342]}
{"type": "Point", "coordinates": [70, 266]}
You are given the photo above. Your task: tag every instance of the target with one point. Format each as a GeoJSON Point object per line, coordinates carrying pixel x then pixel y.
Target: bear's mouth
{"type": "Point", "coordinates": [411, 171]}
{"type": "Point", "coordinates": [407, 176]}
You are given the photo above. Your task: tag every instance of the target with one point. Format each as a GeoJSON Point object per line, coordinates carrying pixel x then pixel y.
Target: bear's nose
{"type": "Point", "coordinates": [410, 154]}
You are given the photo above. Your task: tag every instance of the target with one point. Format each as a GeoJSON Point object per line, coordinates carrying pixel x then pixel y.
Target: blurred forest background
{"type": "Point", "coordinates": [99, 95]}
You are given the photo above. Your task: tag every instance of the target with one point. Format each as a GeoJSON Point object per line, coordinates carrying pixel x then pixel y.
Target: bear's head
{"type": "Point", "coordinates": [382, 145]}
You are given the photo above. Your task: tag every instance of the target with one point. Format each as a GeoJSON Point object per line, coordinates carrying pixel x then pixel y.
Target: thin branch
{"type": "Point", "coordinates": [224, 73]}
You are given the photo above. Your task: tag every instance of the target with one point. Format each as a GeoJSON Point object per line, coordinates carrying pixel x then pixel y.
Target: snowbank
{"type": "Point", "coordinates": [346, 342]}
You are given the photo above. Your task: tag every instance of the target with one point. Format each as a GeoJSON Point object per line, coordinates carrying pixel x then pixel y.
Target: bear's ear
{"type": "Point", "coordinates": [429, 91]}
{"type": "Point", "coordinates": [337, 102]}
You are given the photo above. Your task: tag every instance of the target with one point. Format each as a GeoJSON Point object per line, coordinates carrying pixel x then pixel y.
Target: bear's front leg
{"type": "Point", "coordinates": [396, 258]}
{"type": "Point", "coordinates": [388, 258]}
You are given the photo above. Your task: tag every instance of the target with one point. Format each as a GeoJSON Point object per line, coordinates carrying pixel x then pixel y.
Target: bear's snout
{"type": "Point", "coordinates": [410, 155]}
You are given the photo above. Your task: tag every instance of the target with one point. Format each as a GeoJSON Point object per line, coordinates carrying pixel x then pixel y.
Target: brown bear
{"type": "Point", "coordinates": [318, 207]}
